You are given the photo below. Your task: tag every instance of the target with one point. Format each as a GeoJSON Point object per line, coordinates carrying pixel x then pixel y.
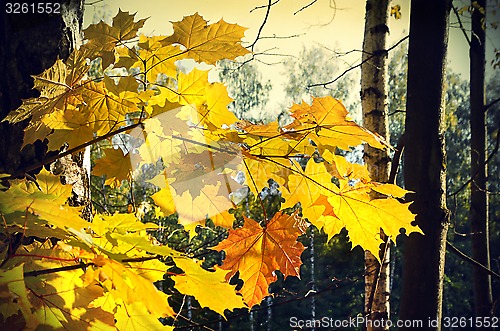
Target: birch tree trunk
{"type": "Point", "coordinates": [483, 301]}
{"type": "Point", "coordinates": [425, 164]}
{"type": "Point", "coordinates": [375, 118]}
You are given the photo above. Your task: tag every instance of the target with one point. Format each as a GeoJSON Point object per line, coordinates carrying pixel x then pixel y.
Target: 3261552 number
{"type": "Point", "coordinates": [471, 322]}
{"type": "Point", "coordinates": [33, 8]}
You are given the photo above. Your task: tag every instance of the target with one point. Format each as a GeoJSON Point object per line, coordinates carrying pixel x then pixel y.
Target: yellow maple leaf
{"type": "Point", "coordinates": [126, 285]}
{"type": "Point", "coordinates": [115, 165]}
{"type": "Point", "coordinates": [363, 217]}
{"type": "Point", "coordinates": [70, 126]}
{"type": "Point", "coordinates": [396, 11]}
{"type": "Point", "coordinates": [54, 94]}
{"type": "Point", "coordinates": [259, 170]}
{"type": "Point", "coordinates": [126, 89]}
{"type": "Point", "coordinates": [210, 288]}
{"type": "Point", "coordinates": [306, 186]}
{"type": "Point", "coordinates": [190, 88]}
{"type": "Point", "coordinates": [158, 144]}
{"type": "Point", "coordinates": [208, 43]}
{"type": "Point", "coordinates": [103, 38]}
{"type": "Point", "coordinates": [256, 252]}
{"type": "Point", "coordinates": [135, 317]}
{"type": "Point", "coordinates": [14, 296]}
{"type": "Point", "coordinates": [52, 297]}
{"type": "Point", "coordinates": [47, 201]}
{"type": "Point", "coordinates": [194, 210]}
{"type": "Point", "coordinates": [155, 57]}
{"type": "Point", "coordinates": [325, 122]}
{"type": "Point", "coordinates": [215, 110]}
{"type": "Point", "coordinates": [106, 111]}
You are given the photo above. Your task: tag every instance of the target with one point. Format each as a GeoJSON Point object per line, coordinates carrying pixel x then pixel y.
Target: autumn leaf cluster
{"type": "Point", "coordinates": [61, 271]}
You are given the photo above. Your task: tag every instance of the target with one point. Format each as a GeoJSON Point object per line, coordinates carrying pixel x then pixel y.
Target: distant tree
{"type": "Point", "coordinates": [317, 64]}
{"type": "Point", "coordinates": [483, 300]}
{"type": "Point", "coordinates": [246, 86]}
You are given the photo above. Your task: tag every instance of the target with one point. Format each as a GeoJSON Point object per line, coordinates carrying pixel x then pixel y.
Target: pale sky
{"type": "Point", "coordinates": [336, 24]}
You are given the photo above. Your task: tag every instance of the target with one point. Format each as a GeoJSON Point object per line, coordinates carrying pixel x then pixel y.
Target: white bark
{"type": "Point", "coordinates": [374, 105]}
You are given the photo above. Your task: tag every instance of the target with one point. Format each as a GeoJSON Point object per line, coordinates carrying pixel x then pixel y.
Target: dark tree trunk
{"type": "Point", "coordinates": [479, 198]}
{"type": "Point", "coordinates": [424, 163]}
{"type": "Point", "coordinates": [29, 44]}
{"type": "Point", "coordinates": [375, 118]}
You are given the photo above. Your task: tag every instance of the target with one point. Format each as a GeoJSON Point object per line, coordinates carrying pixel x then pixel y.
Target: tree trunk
{"type": "Point", "coordinates": [483, 301]}
{"type": "Point", "coordinates": [29, 44]}
{"type": "Point", "coordinates": [375, 118]}
{"type": "Point", "coordinates": [425, 164]}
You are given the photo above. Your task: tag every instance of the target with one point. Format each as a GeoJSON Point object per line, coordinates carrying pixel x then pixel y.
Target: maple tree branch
{"type": "Point", "coordinates": [470, 260]}
{"type": "Point", "coordinates": [357, 65]}
{"type": "Point", "coordinates": [141, 259]}
{"type": "Point", "coordinates": [51, 159]}
{"type": "Point", "coordinates": [194, 142]}
{"type": "Point", "coordinates": [36, 273]}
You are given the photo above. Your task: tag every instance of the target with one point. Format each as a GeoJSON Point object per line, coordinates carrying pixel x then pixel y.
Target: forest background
{"type": "Point", "coordinates": [289, 69]}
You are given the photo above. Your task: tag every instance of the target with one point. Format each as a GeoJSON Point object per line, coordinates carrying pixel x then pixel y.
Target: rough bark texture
{"type": "Point", "coordinates": [375, 118]}
{"type": "Point", "coordinates": [29, 44]}
{"type": "Point", "coordinates": [424, 163]}
{"type": "Point", "coordinates": [479, 198]}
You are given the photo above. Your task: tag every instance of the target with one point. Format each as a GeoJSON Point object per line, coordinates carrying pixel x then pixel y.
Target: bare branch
{"type": "Point", "coordinates": [471, 180]}
{"type": "Point", "coordinates": [305, 7]}
{"type": "Point", "coordinates": [356, 66]}
{"type": "Point", "coordinates": [274, 36]}
{"type": "Point", "coordinates": [93, 3]}
{"type": "Point", "coordinates": [265, 6]}
{"type": "Point", "coordinates": [263, 24]}
{"type": "Point", "coordinates": [467, 258]}
{"type": "Point", "coordinates": [461, 25]}
{"type": "Point", "coordinates": [491, 104]}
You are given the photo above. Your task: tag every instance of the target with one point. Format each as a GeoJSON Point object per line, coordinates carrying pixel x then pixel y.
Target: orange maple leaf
{"type": "Point", "coordinates": [257, 252]}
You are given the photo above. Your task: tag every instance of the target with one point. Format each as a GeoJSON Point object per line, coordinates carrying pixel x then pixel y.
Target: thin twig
{"type": "Point", "coordinates": [491, 104]}
{"type": "Point", "coordinates": [467, 258]}
{"type": "Point", "coordinates": [262, 25]}
{"type": "Point", "coordinates": [264, 6]}
{"type": "Point", "coordinates": [461, 25]}
{"type": "Point", "coordinates": [305, 7]}
{"type": "Point", "coordinates": [490, 157]}
{"type": "Point", "coordinates": [356, 66]}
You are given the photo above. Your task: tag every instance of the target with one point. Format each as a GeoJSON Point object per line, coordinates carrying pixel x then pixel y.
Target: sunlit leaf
{"type": "Point", "coordinates": [208, 42]}
{"type": "Point", "coordinates": [210, 288]}
{"type": "Point", "coordinates": [256, 252]}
